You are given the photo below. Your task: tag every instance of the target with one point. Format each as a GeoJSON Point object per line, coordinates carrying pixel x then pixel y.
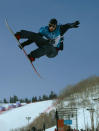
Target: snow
{"type": "Point", "coordinates": [83, 118]}
{"type": "Point", "coordinates": [51, 129]}
{"type": "Point", "coordinates": [16, 118]}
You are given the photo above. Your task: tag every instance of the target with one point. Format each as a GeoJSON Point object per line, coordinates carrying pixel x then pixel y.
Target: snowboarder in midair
{"type": "Point", "coordinates": [49, 39]}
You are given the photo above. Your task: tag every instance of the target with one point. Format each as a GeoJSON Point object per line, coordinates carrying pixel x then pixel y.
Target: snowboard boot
{"type": "Point", "coordinates": [31, 58]}
{"type": "Point", "coordinates": [17, 35]}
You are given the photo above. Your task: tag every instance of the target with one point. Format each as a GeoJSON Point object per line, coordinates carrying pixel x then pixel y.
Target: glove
{"type": "Point", "coordinates": [61, 46]}
{"type": "Point", "coordinates": [75, 24]}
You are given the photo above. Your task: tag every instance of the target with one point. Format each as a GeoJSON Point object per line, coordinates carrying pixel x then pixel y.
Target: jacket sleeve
{"type": "Point", "coordinates": [42, 31]}
{"type": "Point", "coordinates": [65, 27]}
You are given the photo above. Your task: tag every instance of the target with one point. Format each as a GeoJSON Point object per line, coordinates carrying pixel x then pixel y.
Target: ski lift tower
{"type": "Point", "coordinates": [92, 110]}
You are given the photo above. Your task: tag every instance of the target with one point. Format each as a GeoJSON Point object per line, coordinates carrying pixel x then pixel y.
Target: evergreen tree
{"type": "Point", "coordinates": [27, 100]}
{"type": "Point", "coordinates": [34, 99]}
{"type": "Point", "coordinates": [15, 98]}
{"type": "Point", "coordinates": [40, 99]}
{"type": "Point", "coordinates": [45, 97]}
{"type": "Point", "coordinates": [52, 95]}
{"type": "Point", "coordinates": [11, 100]}
{"type": "Point", "coordinates": [5, 101]}
{"type": "Point", "coordinates": [22, 101]}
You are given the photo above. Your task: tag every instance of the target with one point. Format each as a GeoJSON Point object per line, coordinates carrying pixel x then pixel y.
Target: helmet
{"type": "Point", "coordinates": [53, 21]}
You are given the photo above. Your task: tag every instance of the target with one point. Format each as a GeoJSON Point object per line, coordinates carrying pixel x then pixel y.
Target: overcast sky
{"type": "Point", "coordinates": [79, 59]}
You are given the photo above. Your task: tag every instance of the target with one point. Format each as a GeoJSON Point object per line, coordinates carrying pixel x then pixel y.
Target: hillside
{"type": "Point", "coordinates": [80, 96]}
{"type": "Point", "coordinates": [83, 96]}
{"type": "Point", "coordinates": [16, 118]}
{"type": "Point", "coordinates": [82, 92]}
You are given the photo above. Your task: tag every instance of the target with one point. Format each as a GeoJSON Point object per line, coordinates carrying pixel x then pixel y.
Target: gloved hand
{"type": "Point", "coordinates": [75, 24]}
{"type": "Point", "coordinates": [61, 46]}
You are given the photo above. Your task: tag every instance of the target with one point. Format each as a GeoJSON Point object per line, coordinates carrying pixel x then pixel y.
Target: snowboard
{"type": "Point", "coordinates": [12, 32]}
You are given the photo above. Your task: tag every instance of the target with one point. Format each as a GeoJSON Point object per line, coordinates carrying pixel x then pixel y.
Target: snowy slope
{"type": "Point", "coordinates": [17, 117]}
{"type": "Point", "coordinates": [51, 129]}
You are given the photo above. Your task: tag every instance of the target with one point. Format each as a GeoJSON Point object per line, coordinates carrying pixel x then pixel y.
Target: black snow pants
{"type": "Point", "coordinates": [44, 47]}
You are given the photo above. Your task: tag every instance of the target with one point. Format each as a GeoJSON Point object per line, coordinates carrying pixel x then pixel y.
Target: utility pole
{"type": "Point", "coordinates": [76, 121]}
{"type": "Point", "coordinates": [28, 119]}
{"type": "Point", "coordinates": [91, 110]}
{"type": "Point", "coordinates": [84, 118]}
{"type": "Point", "coordinates": [96, 100]}
{"type": "Point", "coordinates": [57, 119]}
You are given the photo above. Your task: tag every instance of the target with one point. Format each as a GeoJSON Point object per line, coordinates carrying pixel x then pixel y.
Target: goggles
{"type": "Point", "coordinates": [52, 25]}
